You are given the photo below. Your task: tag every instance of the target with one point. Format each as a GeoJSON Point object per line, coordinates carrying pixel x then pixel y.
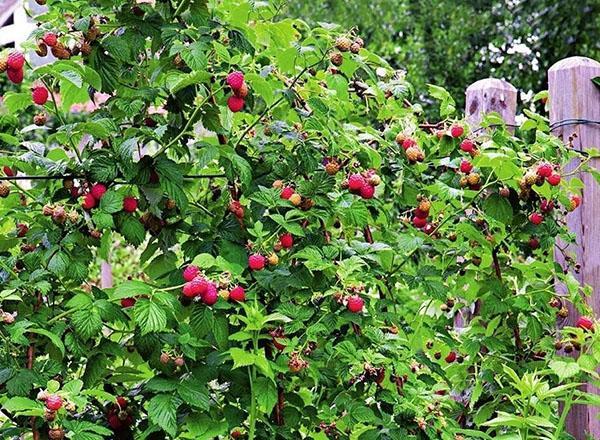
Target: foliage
{"type": "Point", "coordinates": [300, 358]}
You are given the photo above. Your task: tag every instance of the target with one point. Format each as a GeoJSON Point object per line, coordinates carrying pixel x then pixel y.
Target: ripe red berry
{"type": "Point", "coordinates": [286, 240]}
{"type": "Point", "coordinates": [468, 146]}
{"type": "Point", "coordinates": [190, 272]}
{"type": "Point", "coordinates": [544, 169]}
{"type": "Point", "coordinates": [15, 75]}
{"type": "Point", "coordinates": [456, 131]}
{"type": "Point", "coordinates": [466, 166]}
{"type": "Point", "coordinates": [196, 287]}
{"type": "Point", "coordinates": [22, 229]}
{"type": "Point", "coordinates": [420, 213]}
{"type": "Point", "coordinates": [98, 190]}
{"type": "Point", "coordinates": [237, 294]}
{"type": "Point", "coordinates": [553, 179]}
{"type": "Point", "coordinates": [575, 201]}
{"type": "Point", "coordinates": [88, 201]}
{"type": "Point", "coordinates": [367, 191]}
{"type": "Point", "coordinates": [235, 80]}
{"type": "Point", "coordinates": [408, 142]}
{"type": "Point", "coordinates": [54, 402]}
{"type": "Point", "coordinates": [534, 243]}
{"type": "Point", "coordinates": [536, 218]}
{"type": "Point", "coordinates": [256, 262]}
{"type": "Point", "coordinates": [211, 295]}
{"type": "Point", "coordinates": [585, 323]}
{"type": "Point", "coordinates": [39, 95]}
{"type": "Point", "coordinates": [8, 171]}
{"type": "Point", "coordinates": [546, 205]}
{"type": "Point", "coordinates": [15, 61]}
{"type": "Point", "coordinates": [451, 357]}
{"type": "Point", "coordinates": [122, 402]}
{"type": "Point", "coordinates": [287, 192]}
{"type": "Point", "coordinates": [130, 204]}
{"type": "Point", "coordinates": [419, 222]}
{"type": "Point", "coordinates": [127, 302]}
{"type": "Point", "coordinates": [235, 103]}
{"type": "Point", "coordinates": [355, 304]}
{"type": "Point", "coordinates": [50, 39]}
{"type": "Point", "coordinates": [356, 182]}
{"type": "Point", "coordinates": [237, 209]}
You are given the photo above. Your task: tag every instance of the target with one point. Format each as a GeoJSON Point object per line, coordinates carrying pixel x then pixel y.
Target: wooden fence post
{"type": "Point", "coordinates": [573, 96]}
{"type": "Point", "coordinates": [106, 277]}
{"type": "Point", "coordinates": [482, 97]}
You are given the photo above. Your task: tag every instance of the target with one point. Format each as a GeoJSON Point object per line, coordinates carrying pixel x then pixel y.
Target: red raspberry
{"type": "Point", "coordinates": [98, 191]}
{"type": "Point", "coordinates": [286, 240]}
{"type": "Point", "coordinates": [235, 104]}
{"type": "Point", "coordinates": [190, 272]}
{"type": "Point", "coordinates": [237, 294]}
{"type": "Point", "coordinates": [54, 402]}
{"type": "Point", "coordinates": [211, 295]}
{"type": "Point", "coordinates": [468, 146]}
{"type": "Point", "coordinates": [127, 302]}
{"type": "Point", "coordinates": [408, 142]}
{"type": "Point", "coordinates": [39, 95]}
{"type": "Point", "coordinates": [8, 171]}
{"type": "Point", "coordinates": [546, 205]}
{"type": "Point", "coordinates": [196, 287]}
{"type": "Point", "coordinates": [235, 80]}
{"type": "Point", "coordinates": [122, 402]}
{"type": "Point", "coordinates": [287, 192]}
{"type": "Point", "coordinates": [544, 169]}
{"type": "Point", "coordinates": [536, 218]}
{"type": "Point", "coordinates": [15, 75]}
{"type": "Point", "coordinates": [88, 202]}
{"type": "Point", "coordinates": [237, 209]}
{"type": "Point", "coordinates": [15, 61]}
{"type": "Point", "coordinates": [356, 182]}
{"type": "Point", "coordinates": [256, 262]}
{"type": "Point", "coordinates": [355, 304]}
{"type": "Point", "coordinates": [420, 213]}
{"type": "Point", "coordinates": [456, 131]}
{"type": "Point", "coordinates": [534, 243]}
{"type": "Point", "coordinates": [451, 357]}
{"type": "Point", "coordinates": [50, 39]}
{"type": "Point", "coordinates": [575, 201]}
{"type": "Point", "coordinates": [367, 191]}
{"type": "Point", "coordinates": [466, 166]}
{"type": "Point", "coordinates": [130, 204]}
{"type": "Point", "coordinates": [585, 323]}
{"type": "Point", "coordinates": [553, 179]}
{"type": "Point", "coordinates": [419, 222]}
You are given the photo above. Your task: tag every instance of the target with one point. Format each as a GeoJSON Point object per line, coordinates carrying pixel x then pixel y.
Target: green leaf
{"type": "Point", "coordinates": [241, 358]}
{"type": "Point", "coordinates": [498, 208]}
{"type": "Point", "coordinates": [130, 289]}
{"type": "Point", "coordinates": [87, 323]}
{"type": "Point", "coordinates": [111, 202]}
{"type": "Point", "coordinates": [266, 392]}
{"type": "Point", "coordinates": [56, 341]}
{"type": "Point", "coordinates": [132, 230]}
{"type": "Point", "coordinates": [162, 410]}
{"type": "Point", "coordinates": [23, 406]}
{"type": "Point", "coordinates": [149, 316]}
{"type": "Point", "coordinates": [564, 369]}
{"type": "Point", "coordinates": [195, 393]}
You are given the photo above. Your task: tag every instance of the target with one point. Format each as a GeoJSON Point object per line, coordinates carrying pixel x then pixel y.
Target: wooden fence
{"type": "Point", "coordinates": [574, 101]}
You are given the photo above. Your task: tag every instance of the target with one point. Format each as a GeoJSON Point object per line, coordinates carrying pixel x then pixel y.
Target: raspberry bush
{"type": "Point", "coordinates": [299, 241]}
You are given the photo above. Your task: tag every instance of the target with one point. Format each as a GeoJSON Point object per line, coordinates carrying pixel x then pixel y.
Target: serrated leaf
{"type": "Point", "coordinates": [149, 316]}
{"type": "Point", "coordinates": [162, 410]}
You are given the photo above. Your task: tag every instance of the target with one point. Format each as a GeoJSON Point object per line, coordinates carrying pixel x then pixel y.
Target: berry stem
{"type": "Point", "coordinates": [252, 376]}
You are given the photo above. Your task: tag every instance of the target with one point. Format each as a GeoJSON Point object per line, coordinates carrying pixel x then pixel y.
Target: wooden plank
{"type": "Point", "coordinates": [574, 96]}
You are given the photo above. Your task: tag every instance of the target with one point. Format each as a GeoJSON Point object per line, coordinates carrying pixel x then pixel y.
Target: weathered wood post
{"type": "Point", "coordinates": [106, 277]}
{"type": "Point", "coordinates": [573, 96]}
{"type": "Point", "coordinates": [482, 97]}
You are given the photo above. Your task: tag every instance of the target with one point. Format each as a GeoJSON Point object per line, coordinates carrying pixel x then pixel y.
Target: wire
{"type": "Point", "coordinates": [72, 176]}
{"type": "Point", "coordinates": [572, 121]}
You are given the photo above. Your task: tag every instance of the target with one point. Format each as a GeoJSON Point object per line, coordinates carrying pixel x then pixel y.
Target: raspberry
{"type": "Point", "coordinates": [98, 191]}
{"type": "Point", "coordinates": [211, 295]}
{"type": "Point", "coordinates": [88, 202]}
{"type": "Point", "coordinates": [456, 131]}
{"type": "Point", "coordinates": [585, 323]}
{"type": "Point", "coordinates": [473, 179]}
{"type": "Point", "coordinates": [237, 294]}
{"type": "Point", "coordinates": [242, 92]}
{"type": "Point", "coordinates": [408, 142]}
{"type": "Point", "coordinates": [419, 222]}
{"type": "Point", "coordinates": [534, 243]}
{"type": "Point", "coordinates": [54, 402]}
{"type": "Point", "coordinates": [237, 209]}
{"type": "Point", "coordinates": [468, 146]}
{"type": "Point", "coordinates": [15, 61]}
{"type": "Point", "coordinates": [256, 262]}
{"type": "Point", "coordinates": [61, 52]}
{"type": "Point", "coordinates": [122, 402]}
{"type": "Point", "coordinates": [22, 230]}
{"type": "Point", "coordinates": [39, 95]}
{"type": "Point", "coordinates": [127, 302]}
{"type": "Point", "coordinates": [336, 58]}
{"type": "Point", "coordinates": [235, 80]}
{"type": "Point", "coordinates": [575, 201]}
{"type": "Point", "coordinates": [50, 39]}
{"type": "Point", "coordinates": [553, 179]}
{"type": "Point", "coordinates": [544, 169]}
{"type": "Point", "coordinates": [356, 182]}
{"type": "Point", "coordinates": [130, 204]}
{"type": "Point", "coordinates": [8, 171]}
{"type": "Point", "coordinates": [15, 75]}
{"type": "Point", "coordinates": [286, 240]}
{"type": "Point", "coordinates": [56, 434]}
{"type": "Point", "coordinates": [190, 272]}
{"type": "Point", "coordinates": [420, 213]}
{"type": "Point", "coordinates": [451, 357]}
{"type": "Point", "coordinates": [273, 260]}
{"type": "Point", "coordinates": [343, 44]}
{"type": "Point", "coordinates": [536, 218]}
{"type": "Point", "coordinates": [355, 304]}
{"type": "Point", "coordinates": [355, 48]}
{"type": "Point", "coordinates": [546, 205]}
{"type": "Point", "coordinates": [466, 166]}
{"type": "Point", "coordinates": [287, 192]}
{"type": "Point", "coordinates": [332, 168]}
{"type": "Point", "coordinates": [196, 287]}
{"type": "Point", "coordinates": [414, 154]}
{"type": "Point", "coordinates": [367, 191]}
{"type": "Point", "coordinates": [235, 104]}
{"type": "Point", "coordinates": [295, 199]}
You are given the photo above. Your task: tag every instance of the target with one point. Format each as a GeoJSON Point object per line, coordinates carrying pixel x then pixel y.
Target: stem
{"type": "Point", "coordinates": [563, 416]}
{"type": "Point", "coordinates": [252, 376]}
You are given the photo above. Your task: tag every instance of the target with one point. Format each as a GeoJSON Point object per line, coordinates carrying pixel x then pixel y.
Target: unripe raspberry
{"type": "Point", "coordinates": [355, 48]}
{"type": "Point", "coordinates": [468, 146]}
{"type": "Point", "coordinates": [39, 95]}
{"type": "Point", "coordinates": [575, 201]}
{"type": "Point", "coordinates": [130, 204]}
{"type": "Point", "coordinates": [343, 44]}
{"type": "Point", "coordinates": [242, 92]}
{"type": "Point", "coordinates": [237, 294]}
{"type": "Point", "coordinates": [165, 358]}
{"type": "Point", "coordinates": [287, 192]}
{"type": "Point", "coordinates": [414, 154]}
{"type": "Point", "coordinates": [553, 179]}
{"type": "Point", "coordinates": [473, 179]}
{"type": "Point", "coordinates": [374, 180]}
{"type": "Point", "coordinates": [544, 169]}
{"type": "Point", "coordinates": [286, 240]}
{"type": "Point", "coordinates": [15, 60]}
{"type": "Point", "coordinates": [367, 191]}
{"type": "Point", "coordinates": [56, 434]}
{"type": "Point", "coordinates": [408, 143]}
{"type": "Point", "coordinates": [42, 395]}
{"type": "Point", "coordinates": [466, 166]}
{"type": "Point", "coordinates": [273, 259]}
{"type": "Point", "coordinates": [236, 209]}
{"type": "Point", "coordinates": [179, 361]}
{"type": "Point", "coordinates": [336, 58]}
{"type": "Point", "coordinates": [355, 304]}
{"type": "Point", "coordinates": [4, 63]}
{"type": "Point", "coordinates": [4, 190]}
{"type": "Point", "coordinates": [332, 168]}
{"type": "Point", "coordinates": [278, 184]}
{"type": "Point", "coordinates": [98, 190]}
{"type": "Point", "coordinates": [295, 199]}
{"type": "Point", "coordinates": [256, 262]}
{"type": "Point", "coordinates": [356, 182]}
{"type": "Point", "coordinates": [534, 243]}
{"type": "Point", "coordinates": [456, 131]}
{"type": "Point", "coordinates": [235, 103]}
{"type": "Point", "coordinates": [546, 206]}
{"type": "Point", "coordinates": [425, 205]}
{"type": "Point", "coordinates": [235, 80]}
{"type": "Point", "coordinates": [61, 52]}
{"type": "Point", "coordinates": [40, 119]}
{"type": "Point", "coordinates": [504, 192]}
{"type": "Point", "coordinates": [50, 39]}
{"type": "Point", "coordinates": [88, 201]}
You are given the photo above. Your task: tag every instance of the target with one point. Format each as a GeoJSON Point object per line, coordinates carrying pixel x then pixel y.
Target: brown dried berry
{"type": "Point", "coordinates": [40, 119]}
{"type": "Point", "coordinates": [41, 50]}
{"type": "Point", "coordinates": [336, 58]}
